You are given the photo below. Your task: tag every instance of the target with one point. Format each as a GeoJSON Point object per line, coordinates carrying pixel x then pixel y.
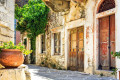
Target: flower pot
{"type": "Point", "coordinates": [11, 58]}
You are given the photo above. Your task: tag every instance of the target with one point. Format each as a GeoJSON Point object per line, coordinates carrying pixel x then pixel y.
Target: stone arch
{"type": "Point", "coordinates": [99, 2]}
{"type": "Point", "coordinates": [106, 5]}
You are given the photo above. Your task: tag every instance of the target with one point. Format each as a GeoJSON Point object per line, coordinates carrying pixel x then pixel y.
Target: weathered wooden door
{"type": "Point", "coordinates": [106, 42]}
{"type": "Point", "coordinates": [112, 40]}
{"type": "Point", "coordinates": [76, 52]}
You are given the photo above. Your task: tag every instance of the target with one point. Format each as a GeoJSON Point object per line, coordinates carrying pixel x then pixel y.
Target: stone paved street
{"type": "Point", "coordinates": [43, 73]}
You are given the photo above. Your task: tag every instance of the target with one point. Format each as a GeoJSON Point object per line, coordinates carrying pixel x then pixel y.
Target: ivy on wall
{"type": "Point", "coordinates": [32, 18]}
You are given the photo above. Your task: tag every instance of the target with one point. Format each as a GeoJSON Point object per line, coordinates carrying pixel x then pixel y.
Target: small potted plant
{"type": "Point", "coordinates": [11, 56]}
{"type": "Point", "coordinates": [116, 54]}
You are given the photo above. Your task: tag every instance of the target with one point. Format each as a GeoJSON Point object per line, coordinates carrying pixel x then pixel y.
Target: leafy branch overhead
{"type": "Point", "coordinates": [32, 17]}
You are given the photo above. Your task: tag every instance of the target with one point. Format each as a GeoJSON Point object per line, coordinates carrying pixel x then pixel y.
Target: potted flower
{"type": "Point", "coordinates": [11, 56]}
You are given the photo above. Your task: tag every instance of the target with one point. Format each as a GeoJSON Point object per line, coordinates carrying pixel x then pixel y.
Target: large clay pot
{"type": "Point", "coordinates": [11, 58]}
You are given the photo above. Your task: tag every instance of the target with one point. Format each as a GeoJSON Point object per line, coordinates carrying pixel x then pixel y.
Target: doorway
{"type": "Point", "coordinates": [106, 42]}
{"type": "Point", "coordinates": [76, 50]}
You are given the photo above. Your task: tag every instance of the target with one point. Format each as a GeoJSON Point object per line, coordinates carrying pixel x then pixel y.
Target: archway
{"type": "Point", "coordinates": [106, 34]}
{"type": "Point", "coordinates": [106, 5]}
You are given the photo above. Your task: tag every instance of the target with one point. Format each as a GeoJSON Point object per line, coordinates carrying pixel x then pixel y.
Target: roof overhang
{"type": "Point", "coordinates": [61, 5]}
{"type": "Point", "coordinates": [58, 5]}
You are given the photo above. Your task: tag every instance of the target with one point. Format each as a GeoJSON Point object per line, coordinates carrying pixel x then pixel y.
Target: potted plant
{"type": "Point", "coordinates": [116, 54]}
{"type": "Point", "coordinates": [11, 56]}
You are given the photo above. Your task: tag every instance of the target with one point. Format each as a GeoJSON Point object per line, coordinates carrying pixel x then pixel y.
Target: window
{"type": "Point", "coordinates": [43, 43]}
{"type": "Point", "coordinates": [25, 42]}
{"type": "Point", "coordinates": [57, 43]}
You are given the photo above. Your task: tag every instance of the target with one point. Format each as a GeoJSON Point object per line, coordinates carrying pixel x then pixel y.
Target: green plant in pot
{"type": "Point", "coordinates": [11, 56]}
{"type": "Point", "coordinates": [115, 54]}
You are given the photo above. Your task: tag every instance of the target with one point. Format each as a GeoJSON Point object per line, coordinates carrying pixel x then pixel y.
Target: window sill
{"type": "Point", "coordinates": [56, 55]}
{"type": "Point", "coordinates": [42, 53]}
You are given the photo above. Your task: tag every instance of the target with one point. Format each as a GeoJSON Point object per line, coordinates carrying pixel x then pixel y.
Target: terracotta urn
{"type": "Point", "coordinates": [11, 58]}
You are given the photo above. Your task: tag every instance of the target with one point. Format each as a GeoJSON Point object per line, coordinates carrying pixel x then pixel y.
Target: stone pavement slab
{"type": "Point", "coordinates": [43, 73]}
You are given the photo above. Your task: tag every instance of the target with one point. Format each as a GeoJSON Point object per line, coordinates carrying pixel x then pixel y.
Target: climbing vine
{"type": "Point", "coordinates": [32, 18]}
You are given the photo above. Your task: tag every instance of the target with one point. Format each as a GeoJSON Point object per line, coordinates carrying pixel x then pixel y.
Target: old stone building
{"type": "Point", "coordinates": [6, 21]}
{"type": "Point", "coordinates": [81, 34]}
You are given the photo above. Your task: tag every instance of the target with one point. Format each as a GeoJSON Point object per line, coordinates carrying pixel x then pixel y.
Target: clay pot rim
{"type": "Point", "coordinates": [10, 50]}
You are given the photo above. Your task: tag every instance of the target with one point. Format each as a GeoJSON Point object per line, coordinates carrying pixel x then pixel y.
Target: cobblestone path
{"type": "Point", "coordinates": [43, 73]}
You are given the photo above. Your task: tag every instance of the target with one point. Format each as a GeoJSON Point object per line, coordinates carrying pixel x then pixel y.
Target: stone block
{"type": "Point", "coordinates": [26, 70]}
{"type": "Point", "coordinates": [6, 32]}
{"type": "Point", "coordinates": [12, 74]}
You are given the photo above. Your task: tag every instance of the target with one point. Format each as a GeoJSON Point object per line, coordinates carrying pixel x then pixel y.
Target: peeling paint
{"type": "Point", "coordinates": [87, 32]}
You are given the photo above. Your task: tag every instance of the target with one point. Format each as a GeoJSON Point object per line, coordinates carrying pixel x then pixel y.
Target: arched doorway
{"type": "Point", "coordinates": [106, 41]}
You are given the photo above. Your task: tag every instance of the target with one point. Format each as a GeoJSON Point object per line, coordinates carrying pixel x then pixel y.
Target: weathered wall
{"type": "Point", "coordinates": [84, 14]}
{"type": "Point", "coordinates": [55, 24]}
{"type": "Point", "coordinates": [78, 15]}
{"type": "Point", "coordinates": [7, 21]}
{"type": "Point", "coordinates": [12, 74]}
{"type": "Point", "coordinates": [62, 22]}
{"type": "Point", "coordinates": [117, 18]}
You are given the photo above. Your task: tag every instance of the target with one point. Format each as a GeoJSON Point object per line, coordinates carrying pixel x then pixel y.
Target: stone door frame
{"type": "Point", "coordinates": [76, 53]}
{"type": "Point", "coordinates": [97, 15]}
{"type": "Point", "coordinates": [71, 25]}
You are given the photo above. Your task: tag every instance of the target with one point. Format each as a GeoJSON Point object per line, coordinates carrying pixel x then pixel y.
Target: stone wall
{"type": "Point", "coordinates": [12, 74]}
{"type": "Point", "coordinates": [7, 21]}
{"type": "Point", "coordinates": [59, 22]}
{"type": "Point", "coordinates": [62, 22]}
{"type": "Point", "coordinates": [56, 19]}
{"type": "Point", "coordinates": [20, 73]}
{"type": "Point", "coordinates": [55, 24]}
{"type": "Point", "coordinates": [79, 14]}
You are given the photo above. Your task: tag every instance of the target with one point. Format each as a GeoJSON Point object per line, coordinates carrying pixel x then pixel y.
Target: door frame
{"type": "Point", "coordinates": [77, 47]}
{"type": "Point", "coordinates": [96, 30]}
{"type": "Point", "coordinates": [70, 25]}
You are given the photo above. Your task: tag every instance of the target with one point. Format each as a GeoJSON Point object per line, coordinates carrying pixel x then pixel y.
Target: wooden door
{"type": "Point", "coordinates": [112, 40]}
{"type": "Point", "coordinates": [80, 49]}
{"type": "Point", "coordinates": [106, 42]}
{"type": "Point", "coordinates": [76, 52]}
